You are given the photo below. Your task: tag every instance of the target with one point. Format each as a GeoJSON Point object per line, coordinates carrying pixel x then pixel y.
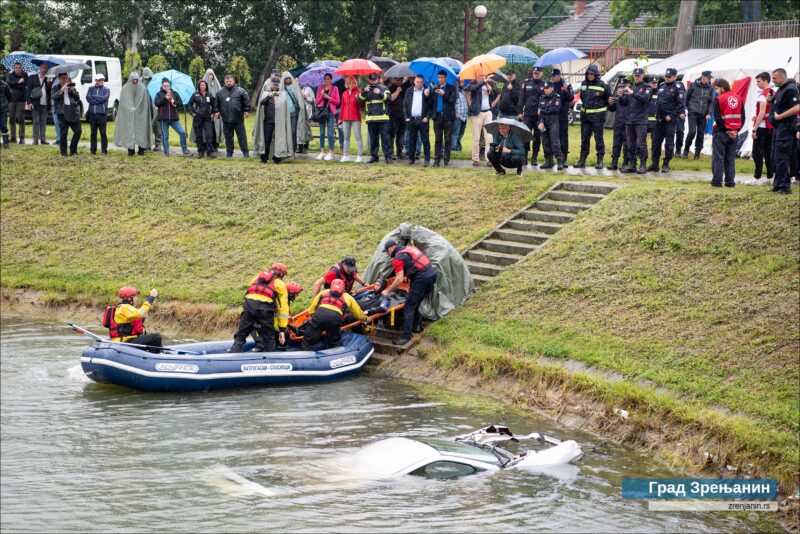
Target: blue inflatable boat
{"type": "Point", "coordinates": [207, 366]}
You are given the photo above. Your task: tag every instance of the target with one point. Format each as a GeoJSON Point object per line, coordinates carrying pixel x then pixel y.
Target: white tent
{"type": "Point", "coordinates": [626, 67]}
{"type": "Point", "coordinates": [685, 60]}
{"type": "Point", "coordinates": [763, 55]}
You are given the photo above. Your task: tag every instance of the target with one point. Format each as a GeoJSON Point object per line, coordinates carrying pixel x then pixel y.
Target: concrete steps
{"type": "Point", "coordinates": [526, 231]}
{"type": "Point", "coordinates": [529, 229]}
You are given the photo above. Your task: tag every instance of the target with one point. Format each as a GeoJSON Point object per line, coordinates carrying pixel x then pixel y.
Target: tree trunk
{"type": "Point", "coordinates": [685, 29]}
{"type": "Point", "coordinates": [135, 41]}
{"type": "Point", "coordinates": [378, 21]}
{"type": "Point", "coordinates": [287, 26]}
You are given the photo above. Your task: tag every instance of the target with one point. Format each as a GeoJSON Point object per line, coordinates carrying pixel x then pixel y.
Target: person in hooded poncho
{"type": "Point", "coordinates": [147, 76]}
{"type": "Point", "coordinates": [134, 117]}
{"type": "Point", "coordinates": [273, 114]}
{"type": "Point", "coordinates": [213, 86]}
{"type": "Point", "coordinates": [310, 98]}
{"type": "Point", "coordinates": [301, 121]}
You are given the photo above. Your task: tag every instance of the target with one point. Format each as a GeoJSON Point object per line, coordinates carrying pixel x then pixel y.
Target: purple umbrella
{"type": "Point", "coordinates": [315, 77]}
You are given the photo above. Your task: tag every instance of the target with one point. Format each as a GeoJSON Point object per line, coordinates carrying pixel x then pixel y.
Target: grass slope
{"type": "Point", "coordinates": [670, 285]}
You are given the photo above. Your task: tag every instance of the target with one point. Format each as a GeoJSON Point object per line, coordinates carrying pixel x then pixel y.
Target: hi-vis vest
{"type": "Point", "coordinates": [730, 109]}
{"type": "Point", "coordinates": [264, 285]}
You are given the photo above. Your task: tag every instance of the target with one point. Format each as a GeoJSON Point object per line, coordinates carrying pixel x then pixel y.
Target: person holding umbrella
{"type": "Point", "coordinates": [564, 90]}
{"type": "Point", "coordinates": [480, 112]}
{"type": "Point", "coordinates": [508, 151]}
{"type": "Point", "coordinates": [16, 82]}
{"type": "Point", "coordinates": [37, 96]}
{"type": "Point", "coordinates": [167, 102]}
{"type": "Point", "coordinates": [376, 98]}
{"type": "Point", "coordinates": [5, 100]}
{"type": "Point", "coordinates": [444, 106]}
{"type": "Point", "coordinates": [530, 95]}
{"type": "Point", "coordinates": [69, 113]}
{"type": "Point", "coordinates": [327, 97]}
{"type": "Point", "coordinates": [351, 119]}
{"type": "Point", "coordinates": [594, 96]}
{"type": "Point", "coordinates": [418, 109]}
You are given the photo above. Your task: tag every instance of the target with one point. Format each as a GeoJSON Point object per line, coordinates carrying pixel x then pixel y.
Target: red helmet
{"type": "Point", "coordinates": [293, 288]}
{"type": "Point", "coordinates": [127, 291]}
{"type": "Point", "coordinates": [279, 269]}
{"type": "Point", "coordinates": [337, 286]}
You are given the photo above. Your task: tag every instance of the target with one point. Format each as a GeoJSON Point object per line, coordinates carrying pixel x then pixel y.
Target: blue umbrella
{"type": "Point", "coordinates": [20, 57]}
{"type": "Point", "coordinates": [325, 63]}
{"type": "Point", "coordinates": [50, 61]}
{"type": "Point", "coordinates": [429, 67]}
{"type": "Point", "coordinates": [559, 55]}
{"type": "Point", "coordinates": [515, 54]}
{"type": "Point", "coordinates": [315, 77]}
{"type": "Point", "coordinates": [454, 64]}
{"type": "Point", "coordinates": [181, 84]}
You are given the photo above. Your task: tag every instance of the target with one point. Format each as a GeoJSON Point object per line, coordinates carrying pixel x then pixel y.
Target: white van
{"type": "Point", "coordinates": [107, 66]}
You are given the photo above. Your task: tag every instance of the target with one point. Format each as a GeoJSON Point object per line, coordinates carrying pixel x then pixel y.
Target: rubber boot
{"type": "Point", "coordinates": [642, 169]}
{"type": "Point", "coordinates": [581, 162]}
{"type": "Point", "coordinates": [696, 155]}
{"type": "Point", "coordinates": [548, 163]}
{"type": "Point", "coordinates": [599, 164]}
{"type": "Point", "coordinates": [5, 141]}
{"type": "Point", "coordinates": [685, 154]}
{"type": "Point", "coordinates": [629, 167]}
{"type": "Point", "coordinates": [665, 166]}
{"type": "Point", "coordinates": [613, 166]}
{"type": "Point", "coordinates": [653, 167]}
{"type": "Point", "coordinates": [235, 348]}
{"type": "Point", "coordinates": [562, 163]}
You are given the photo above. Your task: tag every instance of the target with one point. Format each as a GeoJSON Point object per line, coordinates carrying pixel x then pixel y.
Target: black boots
{"type": "Point", "coordinates": [402, 341]}
{"type": "Point", "coordinates": [5, 141]}
{"type": "Point", "coordinates": [599, 164]}
{"type": "Point", "coordinates": [628, 167]}
{"type": "Point", "coordinates": [665, 167]}
{"type": "Point", "coordinates": [642, 169]}
{"type": "Point", "coordinates": [613, 166]}
{"type": "Point", "coordinates": [562, 162]}
{"type": "Point", "coordinates": [235, 348]}
{"type": "Point", "coordinates": [653, 167]}
{"type": "Point", "coordinates": [548, 163]}
{"type": "Point", "coordinates": [581, 162]}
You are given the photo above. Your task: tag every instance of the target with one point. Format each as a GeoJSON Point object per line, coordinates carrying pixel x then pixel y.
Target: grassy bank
{"type": "Point", "coordinates": [690, 295]}
{"type": "Point", "coordinates": [744, 167]}
{"type": "Point", "coordinates": [675, 301]}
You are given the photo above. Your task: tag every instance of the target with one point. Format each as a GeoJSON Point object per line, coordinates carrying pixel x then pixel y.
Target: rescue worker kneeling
{"type": "Point", "coordinates": [266, 303]}
{"type": "Point", "coordinates": [125, 322]}
{"type": "Point", "coordinates": [327, 315]}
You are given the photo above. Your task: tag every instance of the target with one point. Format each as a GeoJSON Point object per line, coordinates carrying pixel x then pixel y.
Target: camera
{"type": "Point", "coordinates": [71, 84]}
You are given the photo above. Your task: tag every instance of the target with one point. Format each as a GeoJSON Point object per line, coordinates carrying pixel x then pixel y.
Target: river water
{"type": "Point", "coordinates": [80, 456]}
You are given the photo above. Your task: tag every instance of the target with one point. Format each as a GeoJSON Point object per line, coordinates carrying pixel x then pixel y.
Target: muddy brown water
{"type": "Point", "coordinates": [80, 456]}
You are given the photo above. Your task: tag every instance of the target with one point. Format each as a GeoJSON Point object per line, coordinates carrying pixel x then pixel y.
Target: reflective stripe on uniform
{"type": "Point", "coordinates": [597, 110]}
{"type": "Point", "coordinates": [596, 88]}
{"type": "Point", "coordinates": [373, 118]}
{"type": "Point", "coordinates": [734, 116]}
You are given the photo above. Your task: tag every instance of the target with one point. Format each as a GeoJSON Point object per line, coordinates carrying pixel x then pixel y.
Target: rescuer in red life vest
{"type": "Point", "coordinates": [344, 270]}
{"type": "Point", "coordinates": [266, 303]}
{"type": "Point", "coordinates": [728, 120]}
{"type": "Point", "coordinates": [125, 322]}
{"type": "Point", "coordinates": [327, 315]}
{"type": "Point", "coordinates": [410, 262]}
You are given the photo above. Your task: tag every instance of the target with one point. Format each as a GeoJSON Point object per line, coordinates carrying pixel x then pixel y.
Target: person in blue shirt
{"type": "Point", "coordinates": [97, 114]}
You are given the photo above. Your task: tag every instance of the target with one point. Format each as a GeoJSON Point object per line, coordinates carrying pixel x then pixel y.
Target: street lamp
{"type": "Point", "coordinates": [480, 14]}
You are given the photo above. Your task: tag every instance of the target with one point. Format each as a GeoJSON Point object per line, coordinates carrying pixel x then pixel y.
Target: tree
{"type": "Point", "coordinates": [665, 12]}
{"type": "Point", "coordinates": [240, 70]}
{"type": "Point", "coordinates": [198, 45]}
{"type": "Point", "coordinates": [197, 68]}
{"type": "Point", "coordinates": [285, 63]}
{"type": "Point", "coordinates": [132, 62]}
{"type": "Point", "coordinates": [157, 63]}
{"type": "Point", "coordinates": [176, 45]}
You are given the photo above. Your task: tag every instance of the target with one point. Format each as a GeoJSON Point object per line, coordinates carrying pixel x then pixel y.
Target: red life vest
{"type": "Point", "coordinates": [730, 110]}
{"type": "Point", "coordinates": [765, 93]}
{"type": "Point", "coordinates": [419, 261]}
{"type": "Point", "coordinates": [349, 279]}
{"type": "Point", "coordinates": [120, 330]}
{"type": "Point", "coordinates": [264, 285]}
{"type": "Point", "coordinates": [337, 301]}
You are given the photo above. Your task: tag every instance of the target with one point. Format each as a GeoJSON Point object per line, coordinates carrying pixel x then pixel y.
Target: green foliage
{"type": "Point", "coordinates": [665, 12]}
{"type": "Point", "coordinates": [157, 63]}
{"type": "Point", "coordinates": [240, 70]}
{"type": "Point", "coordinates": [197, 69]}
{"type": "Point", "coordinates": [285, 63]}
{"type": "Point", "coordinates": [132, 62]}
{"type": "Point", "coordinates": [397, 50]}
{"type": "Point", "coordinates": [176, 45]}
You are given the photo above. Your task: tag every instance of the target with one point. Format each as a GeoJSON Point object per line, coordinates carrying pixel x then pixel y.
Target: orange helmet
{"type": "Point", "coordinates": [127, 291]}
{"type": "Point", "coordinates": [293, 288]}
{"type": "Point", "coordinates": [337, 286]}
{"type": "Point", "coordinates": [279, 269]}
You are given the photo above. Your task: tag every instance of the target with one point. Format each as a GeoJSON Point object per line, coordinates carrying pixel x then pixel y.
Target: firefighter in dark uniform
{"type": "Point", "coordinates": [549, 126]}
{"type": "Point", "coordinates": [620, 120]}
{"type": "Point", "coordinates": [594, 97]}
{"type": "Point", "coordinates": [266, 303]}
{"type": "Point", "coordinates": [564, 90]}
{"type": "Point", "coordinates": [652, 81]}
{"type": "Point", "coordinates": [680, 126]}
{"type": "Point", "coordinates": [327, 315]}
{"type": "Point", "coordinates": [670, 110]}
{"type": "Point", "coordinates": [532, 90]}
{"type": "Point", "coordinates": [638, 100]}
{"type": "Point", "coordinates": [409, 262]}
{"type": "Point", "coordinates": [345, 270]}
{"type": "Point", "coordinates": [783, 116]}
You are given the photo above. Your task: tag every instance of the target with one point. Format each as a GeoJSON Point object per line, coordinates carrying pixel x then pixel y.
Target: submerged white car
{"type": "Point", "coordinates": [474, 452]}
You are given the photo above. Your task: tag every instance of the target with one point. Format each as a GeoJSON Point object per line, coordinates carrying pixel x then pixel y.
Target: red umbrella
{"type": "Point", "coordinates": [358, 67]}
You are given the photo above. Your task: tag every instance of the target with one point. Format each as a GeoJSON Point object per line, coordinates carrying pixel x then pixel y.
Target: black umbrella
{"type": "Point", "coordinates": [523, 131]}
{"type": "Point", "coordinates": [400, 70]}
{"type": "Point", "coordinates": [383, 62]}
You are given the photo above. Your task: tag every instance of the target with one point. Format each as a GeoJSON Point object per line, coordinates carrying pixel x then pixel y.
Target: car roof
{"type": "Point", "coordinates": [461, 450]}
{"type": "Point", "coordinates": [393, 455]}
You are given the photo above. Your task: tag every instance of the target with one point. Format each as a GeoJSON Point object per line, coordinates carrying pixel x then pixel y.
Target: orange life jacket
{"type": "Point", "coordinates": [120, 330]}
{"type": "Point", "coordinates": [419, 261]}
{"type": "Point", "coordinates": [337, 301]}
{"type": "Point", "coordinates": [264, 285]}
{"type": "Point", "coordinates": [730, 109]}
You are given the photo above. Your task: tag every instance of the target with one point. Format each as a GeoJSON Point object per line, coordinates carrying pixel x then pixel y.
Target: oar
{"type": "Point", "coordinates": [94, 336]}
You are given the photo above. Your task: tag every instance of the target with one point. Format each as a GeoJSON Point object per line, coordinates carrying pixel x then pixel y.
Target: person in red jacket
{"type": "Point", "coordinates": [762, 127]}
{"type": "Point", "coordinates": [350, 119]}
{"type": "Point", "coordinates": [728, 120]}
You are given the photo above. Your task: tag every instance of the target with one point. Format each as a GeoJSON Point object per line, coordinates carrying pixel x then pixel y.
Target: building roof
{"type": "Point", "coordinates": [592, 28]}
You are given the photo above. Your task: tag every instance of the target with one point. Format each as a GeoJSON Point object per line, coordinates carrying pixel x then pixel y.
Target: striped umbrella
{"type": "Point", "coordinates": [20, 57]}
{"type": "Point", "coordinates": [515, 54]}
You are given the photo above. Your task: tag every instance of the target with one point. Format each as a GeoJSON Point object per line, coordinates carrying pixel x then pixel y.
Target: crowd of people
{"type": "Point", "coordinates": [266, 308]}
{"type": "Point", "coordinates": [399, 113]}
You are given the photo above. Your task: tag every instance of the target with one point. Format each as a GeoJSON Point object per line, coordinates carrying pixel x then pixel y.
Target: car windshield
{"type": "Point", "coordinates": [454, 448]}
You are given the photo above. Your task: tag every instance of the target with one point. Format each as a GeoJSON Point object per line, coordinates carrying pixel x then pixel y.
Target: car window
{"type": "Point", "coordinates": [455, 448]}
{"type": "Point", "coordinates": [100, 67]}
{"type": "Point", "coordinates": [444, 470]}
{"type": "Point", "coordinates": [86, 76]}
